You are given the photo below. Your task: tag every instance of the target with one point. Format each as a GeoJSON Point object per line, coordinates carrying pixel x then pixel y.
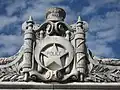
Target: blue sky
{"type": "Point", "coordinates": [103, 17]}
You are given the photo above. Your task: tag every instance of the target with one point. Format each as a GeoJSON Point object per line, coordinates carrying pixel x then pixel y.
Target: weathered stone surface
{"type": "Point", "coordinates": [56, 52]}
{"type": "Point", "coordinates": [69, 86]}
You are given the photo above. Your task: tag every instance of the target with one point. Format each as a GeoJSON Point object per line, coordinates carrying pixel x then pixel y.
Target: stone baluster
{"type": "Point", "coordinates": [28, 47]}
{"type": "Point", "coordinates": [80, 49]}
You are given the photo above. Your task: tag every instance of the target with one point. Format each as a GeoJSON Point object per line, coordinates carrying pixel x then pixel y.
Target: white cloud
{"type": "Point", "coordinates": [94, 5]}
{"type": "Point", "coordinates": [37, 12]}
{"type": "Point", "coordinates": [9, 44]}
{"type": "Point", "coordinates": [103, 31]}
{"type": "Point", "coordinates": [6, 21]}
{"type": "Point", "coordinates": [16, 5]}
{"type": "Point", "coordinates": [108, 21]}
{"type": "Point", "coordinates": [30, 7]}
{"type": "Point", "coordinates": [50, 1]}
{"type": "Point", "coordinates": [100, 49]}
{"type": "Point", "coordinates": [88, 9]}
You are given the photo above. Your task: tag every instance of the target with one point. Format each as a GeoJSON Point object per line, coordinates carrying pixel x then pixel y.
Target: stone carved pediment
{"type": "Point", "coordinates": [56, 51]}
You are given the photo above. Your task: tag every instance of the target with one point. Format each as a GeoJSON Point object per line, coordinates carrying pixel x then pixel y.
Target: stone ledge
{"type": "Point", "coordinates": [82, 86]}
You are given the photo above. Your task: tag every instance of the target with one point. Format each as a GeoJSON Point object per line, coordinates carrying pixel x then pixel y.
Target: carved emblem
{"type": "Point", "coordinates": [54, 53]}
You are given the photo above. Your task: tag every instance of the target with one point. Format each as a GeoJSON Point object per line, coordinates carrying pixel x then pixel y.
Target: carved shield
{"type": "Point", "coordinates": [54, 53]}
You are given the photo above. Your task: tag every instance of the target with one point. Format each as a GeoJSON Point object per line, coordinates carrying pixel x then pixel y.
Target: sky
{"type": "Point", "coordinates": [103, 17]}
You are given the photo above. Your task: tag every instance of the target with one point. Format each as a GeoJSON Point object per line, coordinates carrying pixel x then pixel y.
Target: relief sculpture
{"type": "Point", "coordinates": [56, 52]}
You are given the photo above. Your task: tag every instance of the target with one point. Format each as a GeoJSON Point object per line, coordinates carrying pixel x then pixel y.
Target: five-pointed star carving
{"type": "Point", "coordinates": [54, 58]}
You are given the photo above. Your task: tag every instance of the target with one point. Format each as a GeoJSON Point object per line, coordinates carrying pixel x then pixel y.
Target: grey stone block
{"type": "Point", "coordinates": [53, 86]}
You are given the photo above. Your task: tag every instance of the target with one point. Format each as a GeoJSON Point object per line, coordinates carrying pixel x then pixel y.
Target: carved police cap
{"type": "Point", "coordinates": [55, 14]}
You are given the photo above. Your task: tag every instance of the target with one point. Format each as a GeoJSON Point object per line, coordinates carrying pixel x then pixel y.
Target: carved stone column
{"type": "Point", "coordinates": [28, 47]}
{"type": "Point", "coordinates": [80, 49]}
